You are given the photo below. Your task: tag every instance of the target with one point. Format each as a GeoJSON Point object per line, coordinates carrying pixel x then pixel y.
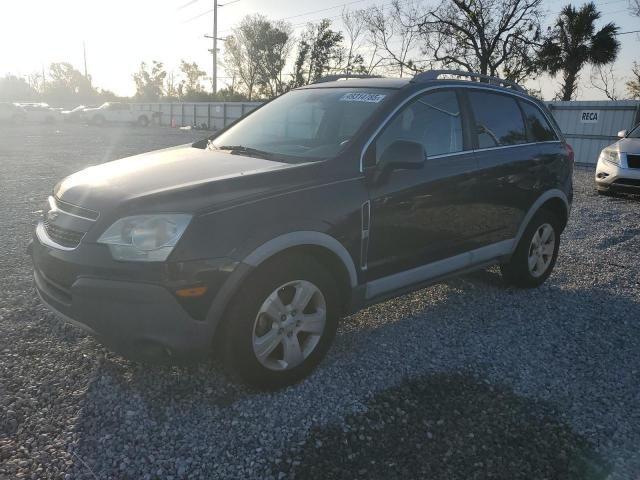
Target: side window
{"type": "Point", "coordinates": [538, 128]}
{"type": "Point", "coordinates": [433, 120]}
{"type": "Point", "coordinates": [498, 119]}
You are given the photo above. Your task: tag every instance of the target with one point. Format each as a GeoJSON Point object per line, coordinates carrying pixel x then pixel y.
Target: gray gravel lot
{"type": "Point", "coordinates": [466, 379]}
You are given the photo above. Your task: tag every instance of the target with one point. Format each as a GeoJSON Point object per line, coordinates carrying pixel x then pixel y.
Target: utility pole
{"type": "Point", "coordinates": [84, 54]}
{"type": "Point", "coordinates": [214, 50]}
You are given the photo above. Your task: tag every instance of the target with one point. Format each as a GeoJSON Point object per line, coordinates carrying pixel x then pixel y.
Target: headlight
{"type": "Point", "coordinates": [145, 238]}
{"type": "Point", "coordinates": [610, 156]}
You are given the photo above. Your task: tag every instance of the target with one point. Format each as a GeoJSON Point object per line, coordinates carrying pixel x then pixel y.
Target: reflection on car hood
{"type": "Point", "coordinates": [629, 145]}
{"type": "Point", "coordinates": [169, 170]}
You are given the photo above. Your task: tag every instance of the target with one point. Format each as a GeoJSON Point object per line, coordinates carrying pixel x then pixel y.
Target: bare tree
{"type": "Point", "coordinates": [603, 79]}
{"type": "Point", "coordinates": [394, 33]}
{"type": "Point", "coordinates": [634, 7]}
{"type": "Point", "coordinates": [355, 29]}
{"type": "Point", "coordinates": [633, 85]}
{"type": "Point", "coordinates": [485, 36]}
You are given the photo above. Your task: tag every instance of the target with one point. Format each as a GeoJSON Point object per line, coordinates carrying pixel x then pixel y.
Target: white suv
{"type": "Point", "coordinates": [618, 167]}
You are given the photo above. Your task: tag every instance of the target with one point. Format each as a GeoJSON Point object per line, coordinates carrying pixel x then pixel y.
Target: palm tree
{"type": "Point", "coordinates": [574, 42]}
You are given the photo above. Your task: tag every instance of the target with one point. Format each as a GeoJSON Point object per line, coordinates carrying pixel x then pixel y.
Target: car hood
{"type": "Point", "coordinates": [629, 145]}
{"type": "Point", "coordinates": [160, 175]}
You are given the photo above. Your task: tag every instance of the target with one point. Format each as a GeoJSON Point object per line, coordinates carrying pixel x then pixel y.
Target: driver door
{"type": "Point", "coordinates": [420, 216]}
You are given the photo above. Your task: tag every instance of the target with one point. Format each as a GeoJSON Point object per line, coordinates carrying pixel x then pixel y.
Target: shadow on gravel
{"type": "Point", "coordinates": [447, 427]}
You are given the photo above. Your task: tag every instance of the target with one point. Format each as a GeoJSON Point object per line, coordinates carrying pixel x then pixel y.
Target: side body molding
{"type": "Point", "coordinates": [548, 195]}
{"type": "Point", "coordinates": [297, 239]}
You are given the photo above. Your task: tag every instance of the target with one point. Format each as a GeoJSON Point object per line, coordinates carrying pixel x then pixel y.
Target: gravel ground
{"type": "Point", "coordinates": [466, 379]}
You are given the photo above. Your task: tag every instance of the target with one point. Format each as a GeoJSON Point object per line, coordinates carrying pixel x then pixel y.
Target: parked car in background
{"type": "Point", "coordinates": [328, 199]}
{"type": "Point", "coordinates": [74, 115]}
{"type": "Point", "coordinates": [116, 112]}
{"type": "Point", "coordinates": [12, 113]}
{"type": "Point", "coordinates": [40, 113]}
{"type": "Point", "coordinates": [618, 168]}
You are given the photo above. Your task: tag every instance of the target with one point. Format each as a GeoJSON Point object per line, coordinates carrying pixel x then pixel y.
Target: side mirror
{"type": "Point", "coordinates": [403, 154]}
{"type": "Point", "coordinates": [622, 133]}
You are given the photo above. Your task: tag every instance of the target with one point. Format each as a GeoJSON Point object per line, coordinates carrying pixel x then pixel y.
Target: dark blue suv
{"type": "Point", "coordinates": [334, 196]}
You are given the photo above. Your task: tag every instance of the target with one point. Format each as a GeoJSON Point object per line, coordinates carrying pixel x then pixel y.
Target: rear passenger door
{"type": "Point", "coordinates": [507, 177]}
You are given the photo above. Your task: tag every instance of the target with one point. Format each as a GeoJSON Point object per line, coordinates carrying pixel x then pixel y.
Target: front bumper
{"type": "Point", "coordinates": [610, 177]}
{"type": "Point", "coordinates": [135, 314]}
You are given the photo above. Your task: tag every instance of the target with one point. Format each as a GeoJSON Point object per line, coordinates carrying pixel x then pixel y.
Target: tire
{"type": "Point", "coordinates": [518, 270]}
{"type": "Point", "coordinates": [143, 121]}
{"type": "Point", "coordinates": [98, 120]}
{"type": "Point", "coordinates": [248, 325]}
{"type": "Point", "coordinates": [18, 119]}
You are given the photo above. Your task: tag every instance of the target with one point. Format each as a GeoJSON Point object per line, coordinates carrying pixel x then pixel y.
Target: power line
{"type": "Point", "coordinates": [186, 5]}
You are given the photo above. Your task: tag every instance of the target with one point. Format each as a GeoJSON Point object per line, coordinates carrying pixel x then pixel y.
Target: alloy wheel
{"type": "Point", "coordinates": [289, 325]}
{"type": "Point", "coordinates": [541, 250]}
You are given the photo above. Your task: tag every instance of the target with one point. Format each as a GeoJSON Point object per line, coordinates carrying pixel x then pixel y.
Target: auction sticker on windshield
{"type": "Point", "coordinates": [362, 97]}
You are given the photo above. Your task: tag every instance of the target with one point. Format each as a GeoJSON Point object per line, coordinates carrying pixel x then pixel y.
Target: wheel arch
{"type": "Point", "coordinates": [331, 252]}
{"type": "Point", "coordinates": [309, 241]}
{"type": "Point", "coordinates": [555, 201]}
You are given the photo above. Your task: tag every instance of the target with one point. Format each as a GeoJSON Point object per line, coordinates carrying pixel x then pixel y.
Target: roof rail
{"type": "Point", "coordinates": [345, 76]}
{"type": "Point", "coordinates": [434, 74]}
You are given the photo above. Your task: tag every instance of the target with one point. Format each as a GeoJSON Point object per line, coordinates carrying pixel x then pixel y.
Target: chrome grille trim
{"type": "Point", "coordinates": [51, 233]}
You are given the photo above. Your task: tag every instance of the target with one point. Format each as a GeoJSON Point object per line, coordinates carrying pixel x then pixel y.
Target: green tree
{"type": "Point", "coordinates": [66, 84]}
{"type": "Point", "coordinates": [276, 47]}
{"type": "Point", "coordinates": [191, 87]}
{"type": "Point", "coordinates": [256, 54]}
{"type": "Point", "coordinates": [320, 52]}
{"type": "Point", "coordinates": [14, 89]}
{"type": "Point", "coordinates": [149, 83]}
{"type": "Point", "coordinates": [574, 42]}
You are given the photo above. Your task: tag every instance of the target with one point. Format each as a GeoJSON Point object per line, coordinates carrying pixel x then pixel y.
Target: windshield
{"type": "Point", "coordinates": [306, 124]}
{"type": "Point", "coordinates": [635, 133]}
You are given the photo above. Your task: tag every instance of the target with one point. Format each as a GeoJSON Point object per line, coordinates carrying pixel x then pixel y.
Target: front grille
{"type": "Point", "coordinates": [76, 210]}
{"type": "Point", "coordinates": [62, 236]}
{"type": "Point", "coordinates": [633, 161]}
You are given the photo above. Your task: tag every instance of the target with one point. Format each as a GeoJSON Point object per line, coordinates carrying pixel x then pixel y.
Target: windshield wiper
{"type": "Point", "coordinates": [241, 149]}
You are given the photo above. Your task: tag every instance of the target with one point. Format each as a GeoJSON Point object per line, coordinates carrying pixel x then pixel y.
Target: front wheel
{"type": "Point", "coordinates": [536, 254]}
{"type": "Point", "coordinates": [282, 323]}
{"type": "Point", "coordinates": [143, 121]}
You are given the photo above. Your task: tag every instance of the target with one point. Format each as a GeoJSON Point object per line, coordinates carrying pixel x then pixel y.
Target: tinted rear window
{"type": "Point", "coordinates": [538, 128]}
{"type": "Point", "coordinates": [498, 119]}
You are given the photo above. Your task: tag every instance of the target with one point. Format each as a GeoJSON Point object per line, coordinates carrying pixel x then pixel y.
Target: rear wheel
{"type": "Point", "coordinates": [283, 322]}
{"type": "Point", "coordinates": [143, 121]}
{"type": "Point", "coordinates": [536, 254]}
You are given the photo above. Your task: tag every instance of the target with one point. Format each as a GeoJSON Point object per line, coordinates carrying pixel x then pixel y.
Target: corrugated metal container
{"type": "Point", "coordinates": [592, 125]}
{"type": "Point", "coordinates": [216, 115]}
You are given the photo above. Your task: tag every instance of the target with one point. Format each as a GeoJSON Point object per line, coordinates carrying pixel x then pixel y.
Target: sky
{"type": "Point", "coordinates": [119, 34]}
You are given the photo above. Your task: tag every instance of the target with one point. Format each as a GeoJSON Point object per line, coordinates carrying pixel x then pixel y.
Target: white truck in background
{"type": "Point", "coordinates": [116, 112]}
